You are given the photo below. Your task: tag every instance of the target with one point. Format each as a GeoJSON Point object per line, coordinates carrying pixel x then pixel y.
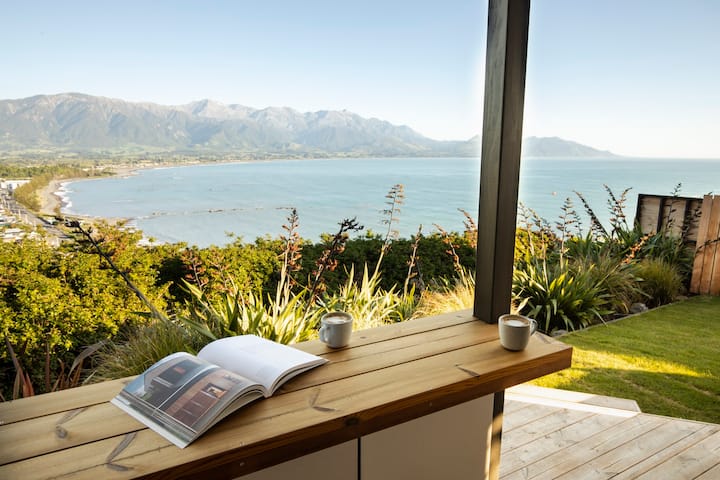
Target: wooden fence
{"type": "Point", "coordinates": [679, 216]}
{"type": "Point", "coordinates": [706, 268]}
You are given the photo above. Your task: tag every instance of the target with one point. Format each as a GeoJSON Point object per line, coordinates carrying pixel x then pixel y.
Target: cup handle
{"type": "Point", "coordinates": [321, 334]}
{"type": "Point", "coordinates": [533, 325]}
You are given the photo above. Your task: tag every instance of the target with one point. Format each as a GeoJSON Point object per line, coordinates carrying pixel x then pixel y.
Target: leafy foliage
{"type": "Point", "coordinates": [368, 303]}
{"type": "Point", "coordinates": [237, 313]}
{"type": "Point", "coordinates": [661, 281]}
{"type": "Point", "coordinates": [54, 302]}
{"type": "Point", "coordinates": [558, 297]}
{"type": "Point", "coordinates": [143, 346]}
{"type": "Point", "coordinates": [448, 295]}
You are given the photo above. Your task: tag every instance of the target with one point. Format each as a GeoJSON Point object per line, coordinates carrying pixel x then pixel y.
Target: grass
{"type": "Point", "coordinates": [667, 359]}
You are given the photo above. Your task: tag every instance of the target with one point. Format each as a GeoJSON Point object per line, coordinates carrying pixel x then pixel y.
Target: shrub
{"type": "Point", "coordinates": [236, 313]}
{"type": "Point", "coordinates": [660, 280]}
{"type": "Point", "coordinates": [557, 297]}
{"type": "Point", "coordinates": [670, 249]}
{"type": "Point", "coordinates": [448, 296]}
{"type": "Point", "coordinates": [618, 279]}
{"type": "Point", "coordinates": [370, 305]}
{"type": "Point", "coordinates": [54, 302]}
{"type": "Point", "coordinates": [144, 346]}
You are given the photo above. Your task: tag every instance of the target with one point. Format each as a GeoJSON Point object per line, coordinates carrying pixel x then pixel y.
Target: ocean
{"type": "Point", "coordinates": [213, 204]}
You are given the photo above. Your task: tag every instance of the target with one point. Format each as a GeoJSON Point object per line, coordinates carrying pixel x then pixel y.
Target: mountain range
{"type": "Point", "coordinates": [83, 124]}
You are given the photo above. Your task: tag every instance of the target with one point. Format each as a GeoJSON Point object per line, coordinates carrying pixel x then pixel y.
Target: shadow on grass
{"type": "Point", "coordinates": [660, 393]}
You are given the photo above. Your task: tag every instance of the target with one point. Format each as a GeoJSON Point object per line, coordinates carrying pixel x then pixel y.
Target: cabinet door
{"type": "Point", "coordinates": [335, 463]}
{"type": "Point", "coordinates": [450, 444]}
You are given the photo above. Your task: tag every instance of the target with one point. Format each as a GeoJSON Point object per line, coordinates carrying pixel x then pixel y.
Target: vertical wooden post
{"type": "Point", "coordinates": [505, 65]}
{"type": "Point", "coordinates": [500, 163]}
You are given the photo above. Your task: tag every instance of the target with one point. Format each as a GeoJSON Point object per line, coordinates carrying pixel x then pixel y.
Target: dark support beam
{"type": "Point", "coordinates": [500, 164]}
{"type": "Point", "coordinates": [496, 435]}
{"type": "Point", "coordinates": [505, 65]}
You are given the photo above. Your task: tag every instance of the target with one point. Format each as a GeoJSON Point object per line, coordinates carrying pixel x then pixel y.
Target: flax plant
{"type": "Point", "coordinates": [289, 317]}
{"type": "Point", "coordinates": [368, 303]}
{"type": "Point", "coordinates": [596, 226]}
{"type": "Point", "coordinates": [451, 249]}
{"type": "Point", "coordinates": [414, 264]}
{"type": "Point", "coordinates": [395, 198]}
{"type": "Point", "coordinates": [569, 220]}
{"type": "Point", "coordinates": [328, 260]}
{"type": "Point", "coordinates": [471, 229]}
{"type": "Point", "coordinates": [67, 377]}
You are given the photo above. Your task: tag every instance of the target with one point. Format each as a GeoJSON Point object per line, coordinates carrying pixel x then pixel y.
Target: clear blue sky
{"type": "Point", "coordinates": [635, 77]}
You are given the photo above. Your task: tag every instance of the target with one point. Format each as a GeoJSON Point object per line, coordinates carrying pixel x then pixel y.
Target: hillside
{"type": "Point", "coordinates": [558, 148]}
{"type": "Point", "coordinates": [75, 123]}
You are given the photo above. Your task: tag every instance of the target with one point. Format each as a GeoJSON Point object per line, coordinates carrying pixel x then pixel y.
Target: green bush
{"type": "Point", "coordinates": [617, 278]}
{"type": "Point", "coordinates": [144, 346]}
{"type": "Point", "coordinates": [284, 319]}
{"type": "Point", "coordinates": [660, 281]}
{"type": "Point", "coordinates": [433, 259]}
{"type": "Point", "coordinates": [54, 302]}
{"type": "Point", "coordinates": [368, 303]}
{"type": "Point", "coordinates": [448, 296]}
{"type": "Point", "coordinates": [559, 298]}
{"type": "Point", "coordinates": [671, 250]}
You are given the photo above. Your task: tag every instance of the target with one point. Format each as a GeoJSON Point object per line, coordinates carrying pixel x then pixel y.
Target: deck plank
{"type": "Point", "coordinates": [625, 455]}
{"type": "Point", "coordinates": [525, 416]}
{"type": "Point", "coordinates": [607, 443]}
{"type": "Point", "coordinates": [712, 474]}
{"type": "Point", "coordinates": [693, 462]}
{"type": "Point", "coordinates": [668, 453]}
{"type": "Point", "coordinates": [560, 462]}
{"type": "Point", "coordinates": [542, 427]}
{"type": "Point", "coordinates": [566, 437]}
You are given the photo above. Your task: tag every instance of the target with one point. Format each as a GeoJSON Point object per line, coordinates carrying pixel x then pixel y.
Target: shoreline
{"type": "Point", "coordinates": [52, 203]}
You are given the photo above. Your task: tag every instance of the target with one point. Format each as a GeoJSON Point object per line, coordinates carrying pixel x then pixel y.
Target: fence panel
{"type": "Point", "coordinates": [706, 267]}
{"type": "Point", "coordinates": [676, 215]}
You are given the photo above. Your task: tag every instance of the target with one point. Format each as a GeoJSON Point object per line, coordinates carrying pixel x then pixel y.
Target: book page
{"type": "Point", "coordinates": [182, 395]}
{"type": "Point", "coordinates": [263, 361]}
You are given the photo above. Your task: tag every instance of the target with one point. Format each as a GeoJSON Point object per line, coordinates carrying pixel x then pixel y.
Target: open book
{"type": "Point", "coordinates": [183, 395]}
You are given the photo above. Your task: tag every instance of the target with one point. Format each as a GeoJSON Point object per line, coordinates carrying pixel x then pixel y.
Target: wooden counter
{"type": "Point", "coordinates": [387, 376]}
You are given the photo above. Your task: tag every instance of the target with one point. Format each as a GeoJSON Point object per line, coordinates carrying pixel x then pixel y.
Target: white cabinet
{"type": "Point", "coordinates": [450, 444]}
{"type": "Point", "coordinates": [335, 463]}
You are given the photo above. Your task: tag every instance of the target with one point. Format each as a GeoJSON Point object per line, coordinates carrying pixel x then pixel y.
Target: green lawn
{"type": "Point", "coordinates": [667, 359]}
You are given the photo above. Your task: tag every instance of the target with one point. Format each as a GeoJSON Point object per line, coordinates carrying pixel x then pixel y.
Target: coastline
{"type": "Point", "coordinates": [51, 202]}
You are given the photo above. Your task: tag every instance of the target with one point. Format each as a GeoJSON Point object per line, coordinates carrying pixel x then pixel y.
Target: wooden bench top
{"type": "Point", "coordinates": [386, 376]}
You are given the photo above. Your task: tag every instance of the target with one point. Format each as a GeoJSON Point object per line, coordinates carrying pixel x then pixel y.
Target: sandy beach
{"type": "Point", "coordinates": [50, 201]}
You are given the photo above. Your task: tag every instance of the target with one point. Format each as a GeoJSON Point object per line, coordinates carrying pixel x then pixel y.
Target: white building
{"type": "Point", "coordinates": [11, 185]}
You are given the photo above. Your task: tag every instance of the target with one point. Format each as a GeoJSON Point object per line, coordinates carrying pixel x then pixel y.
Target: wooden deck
{"type": "Point", "coordinates": [575, 436]}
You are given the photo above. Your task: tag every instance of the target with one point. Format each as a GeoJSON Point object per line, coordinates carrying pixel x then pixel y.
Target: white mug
{"type": "Point", "coordinates": [515, 331]}
{"type": "Point", "coordinates": [335, 329]}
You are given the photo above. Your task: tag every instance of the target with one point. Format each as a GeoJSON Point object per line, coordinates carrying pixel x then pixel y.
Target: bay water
{"type": "Point", "coordinates": [213, 204]}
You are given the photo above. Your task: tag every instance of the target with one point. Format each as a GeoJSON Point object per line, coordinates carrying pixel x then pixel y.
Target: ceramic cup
{"type": "Point", "coordinates": [515, 331]}
{"type": "Point", "coordinates": [335, 329]}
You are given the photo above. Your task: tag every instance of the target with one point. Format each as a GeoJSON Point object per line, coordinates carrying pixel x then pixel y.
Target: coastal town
{"type": "Point", "coordinates": [17, 222]}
